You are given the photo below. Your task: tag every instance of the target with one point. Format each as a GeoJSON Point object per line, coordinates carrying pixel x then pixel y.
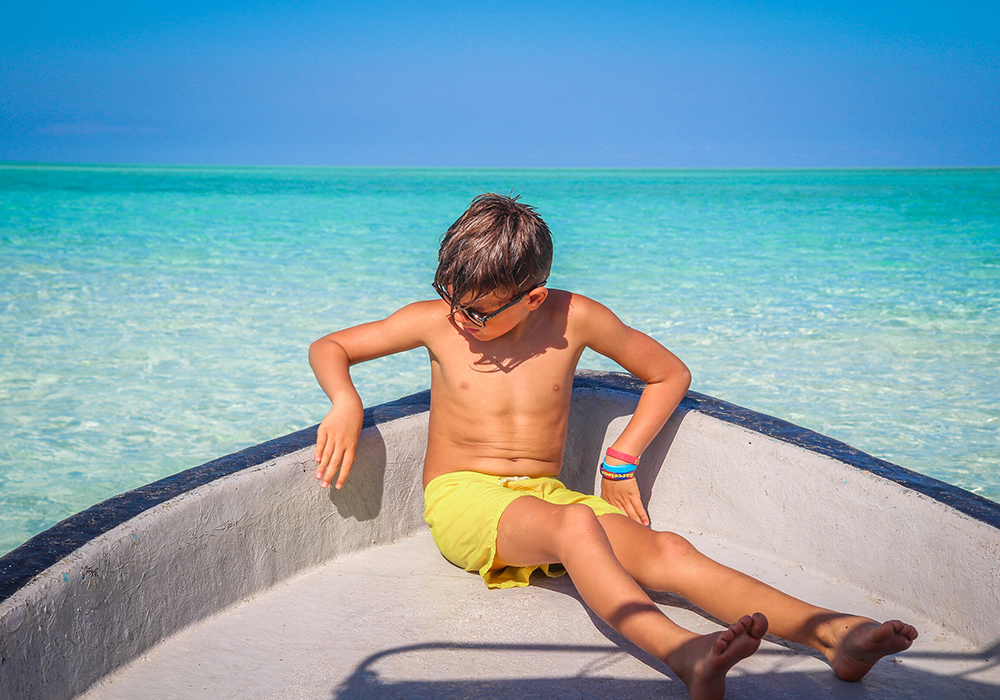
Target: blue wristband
{"type": "Point", "coordinates": [617, 468]}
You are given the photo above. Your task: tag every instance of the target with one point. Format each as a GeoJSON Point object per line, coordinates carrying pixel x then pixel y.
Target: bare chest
{"type": "Point", "coordinates": [494, 383]}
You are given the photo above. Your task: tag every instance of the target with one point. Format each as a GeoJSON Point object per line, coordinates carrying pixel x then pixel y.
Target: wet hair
{"type": "Point", "coordinates": [498, 245]}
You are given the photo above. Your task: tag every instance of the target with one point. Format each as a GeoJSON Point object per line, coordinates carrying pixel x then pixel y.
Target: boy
{"type": "Point", "coordinates": [503, 349]}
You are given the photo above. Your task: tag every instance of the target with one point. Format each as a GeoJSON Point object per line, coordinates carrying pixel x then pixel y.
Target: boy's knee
{"type": "Point", "coordinates": [578, 520]}
{"type": "Point", "coordinates": [670, 545]}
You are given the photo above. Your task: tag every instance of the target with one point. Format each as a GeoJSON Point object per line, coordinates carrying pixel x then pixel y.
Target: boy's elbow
{"type": "Point", "coordinates": [684, 377]}
{"type": "Point", "coordinates": [327, 349]}
{"type": "Point", "coordinates": [319, 350]}
{"type": "Point", "coordinates": [677, 375]}
{"type": "Point", "coordinates": [314, 350]}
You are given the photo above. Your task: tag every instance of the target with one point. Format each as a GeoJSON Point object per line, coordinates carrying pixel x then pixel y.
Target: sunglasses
{"type": "Point", "coordinates": [476, 317]}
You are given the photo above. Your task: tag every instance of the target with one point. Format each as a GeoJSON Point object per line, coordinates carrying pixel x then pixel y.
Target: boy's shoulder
{"type": "Point", "coordinates": [428, 307]}
{"type": "Point", "coordinates": [582, 309]}
{"type": "Point", "coordinates": [567, 310]}
{"type": "Point", "coordinates": [413, 321]}
{"type": "Point", "coordinates": [559, 301]}
{"type": "Point", "coordinates": [580, 316]}
{"type": "Point", "coordinates": [577, 300]}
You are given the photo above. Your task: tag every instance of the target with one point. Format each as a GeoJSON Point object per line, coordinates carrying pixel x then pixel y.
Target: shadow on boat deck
{"type": "Point", "coordinates": [907, 681]}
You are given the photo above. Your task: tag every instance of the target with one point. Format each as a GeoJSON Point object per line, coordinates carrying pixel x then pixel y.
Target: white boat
{"type": "Point", "coordinates": [241, 578]}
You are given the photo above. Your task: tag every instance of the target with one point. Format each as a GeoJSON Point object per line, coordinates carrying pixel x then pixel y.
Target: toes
{"type": "Point", "coordinates": [887, 630]}
{"type": "Point", "coordinates": [882, 633]}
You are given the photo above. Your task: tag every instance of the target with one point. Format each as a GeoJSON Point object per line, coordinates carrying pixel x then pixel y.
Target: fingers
{"type": "Point", "coordinates": [345, 468]}
{"type": "Point", "coordinates": [324, 450]}
{"type": "Point", "coordinates": [336, 444]}
{"type": "Point", "coordinates": [630, 510]}
{"type": "Point", "coordinates": [335, 463]}
{"type": "Point", "coordinates": [330, 467]}
{"type": "Point", "coordinates": [324, 454]}
{"type": "Point", "coordinates": [640, 512]}
{"type": "Point", "coordinates": [332, 460]}
{"type": "Point", "coordinates": [633, 509]}
{"type": "Point", "coordinates": [633, 502]}
{"type": "Point", "coordinates": [625, 495]}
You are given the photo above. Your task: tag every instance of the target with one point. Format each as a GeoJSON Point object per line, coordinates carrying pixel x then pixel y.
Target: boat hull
{"type": "Point", "coordinates": [102, 588]}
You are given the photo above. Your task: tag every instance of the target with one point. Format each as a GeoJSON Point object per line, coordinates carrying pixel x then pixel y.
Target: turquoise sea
{"type": "Point", "coordinates": [153, 318]}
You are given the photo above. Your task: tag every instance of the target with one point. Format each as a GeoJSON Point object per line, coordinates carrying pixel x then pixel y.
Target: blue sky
{"type": "Point", "coordinates": [510, 84]}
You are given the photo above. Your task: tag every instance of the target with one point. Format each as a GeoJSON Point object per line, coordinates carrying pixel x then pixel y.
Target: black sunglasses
{"type": "Point", "coordinates": [476, 317]}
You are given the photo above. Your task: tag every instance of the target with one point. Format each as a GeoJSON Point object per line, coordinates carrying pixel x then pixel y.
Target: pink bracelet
{"type": "Point", "coordinates": [618, 454]}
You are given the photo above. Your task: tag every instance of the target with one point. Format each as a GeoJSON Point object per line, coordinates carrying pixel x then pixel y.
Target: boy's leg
{"type": "Point", "coordinates": [534, 532]}
{"type": "Point", "coordinates": [665, 561]}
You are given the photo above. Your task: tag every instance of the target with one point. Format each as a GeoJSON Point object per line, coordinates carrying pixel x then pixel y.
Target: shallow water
{"type": "Point", "coordinates": [155, 318]}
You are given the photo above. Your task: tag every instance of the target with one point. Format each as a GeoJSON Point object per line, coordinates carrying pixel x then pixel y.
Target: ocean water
{"type": "Point", "coordinates": [153, 318]}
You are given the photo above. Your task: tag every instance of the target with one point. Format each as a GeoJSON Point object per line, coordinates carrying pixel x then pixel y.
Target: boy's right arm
{"type": "Point", "coordinates": [331, 358]}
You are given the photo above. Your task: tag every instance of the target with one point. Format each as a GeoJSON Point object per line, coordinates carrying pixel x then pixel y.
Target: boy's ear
{"type": "Point", "coordinates": [536, 297]}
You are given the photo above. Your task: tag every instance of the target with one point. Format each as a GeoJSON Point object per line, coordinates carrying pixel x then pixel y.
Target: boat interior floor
{"type": "Point", "coordinates": [399, 621]}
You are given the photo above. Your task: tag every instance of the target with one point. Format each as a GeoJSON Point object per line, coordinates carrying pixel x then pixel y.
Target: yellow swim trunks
{"type": "Point", "coordinates": [463, 510]}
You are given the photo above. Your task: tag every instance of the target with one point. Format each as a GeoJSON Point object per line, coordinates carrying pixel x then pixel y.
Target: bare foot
{"type": "Point", "coordinates": [862, 642]}
{"type": "Point", "coordinates": [704, 662]}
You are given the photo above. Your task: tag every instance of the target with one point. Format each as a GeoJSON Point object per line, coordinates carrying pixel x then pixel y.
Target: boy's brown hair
{"type": "Point", "coordinates": [498, 245]}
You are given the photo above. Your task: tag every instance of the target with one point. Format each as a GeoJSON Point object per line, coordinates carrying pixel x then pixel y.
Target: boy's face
{"type": "Point", "coordinates": [500, 310]}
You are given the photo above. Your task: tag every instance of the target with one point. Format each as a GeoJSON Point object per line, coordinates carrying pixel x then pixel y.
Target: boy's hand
{"type": "Point", "coordinates": [625, 495]}
{"type": "Point", "coordinates": [337, 442]}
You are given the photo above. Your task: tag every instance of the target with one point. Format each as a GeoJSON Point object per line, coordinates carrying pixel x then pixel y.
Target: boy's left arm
{"type": "Point", "coordinates": [666, 377]}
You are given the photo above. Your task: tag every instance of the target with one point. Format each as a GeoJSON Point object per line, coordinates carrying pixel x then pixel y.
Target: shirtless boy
{"type": "Point", "coordinates": [503, 349]}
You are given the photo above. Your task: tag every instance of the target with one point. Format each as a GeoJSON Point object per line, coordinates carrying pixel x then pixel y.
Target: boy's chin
{"type": "Point", "coordinates": [481, 333]}
{"type": "Point", "coordinates": [476, 332]}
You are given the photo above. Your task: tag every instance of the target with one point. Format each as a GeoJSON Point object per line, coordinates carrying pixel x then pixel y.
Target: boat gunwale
{"type": "Point", "coordinates": [22, 565]}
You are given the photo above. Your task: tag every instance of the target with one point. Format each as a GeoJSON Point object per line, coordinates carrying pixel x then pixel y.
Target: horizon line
{"type": "Point", "coordinates": [258, 166]}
